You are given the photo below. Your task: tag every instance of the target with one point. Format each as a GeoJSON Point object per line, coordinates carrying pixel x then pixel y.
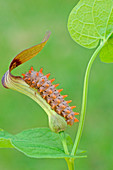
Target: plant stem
{"type": "Point", "coordinates": [84, 99]}
{"type": "Point", "coordinates": [64, 143]}
{"type": "Point", "coordinates": [70, 161]}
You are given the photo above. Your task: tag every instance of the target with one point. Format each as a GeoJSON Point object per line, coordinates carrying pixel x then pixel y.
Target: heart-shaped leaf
{"type": "Point", "coordinates": [91, 21]}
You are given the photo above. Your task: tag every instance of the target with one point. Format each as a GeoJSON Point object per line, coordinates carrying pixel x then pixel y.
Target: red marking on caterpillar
{"type": "Point", "coordinates": [49, 92]}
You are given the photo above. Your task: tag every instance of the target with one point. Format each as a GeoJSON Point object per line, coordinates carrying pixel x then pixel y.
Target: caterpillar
{"type": "Point", "coordinates": [49, 92]}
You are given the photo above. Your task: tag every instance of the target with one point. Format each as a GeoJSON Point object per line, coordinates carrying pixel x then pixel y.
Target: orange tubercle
{"type": "Point", "coordinates": [41, 90]}
{"type": "Point", "coordinates": [59, 112]}
{"type": "Point", "coordinates": [47, 85]}
{"type": "Point", "coordinates": [38, 85]}
{"type": "Point", "coordinates": [23, 75]}
{"type": "Point", "coordinates": [64, 96]}
{"type": "Point", "coordinates": [41, 70]}
{"type": "Point", "coordinates": [53, 106]}
{"type": "Point", "coordinates": [63, 106]}
{"type": "Point", "coordinates": [65, 115]}
{"type": "Point", "coordinates": [69, 101]}
{"type": "Point", "coordinates": [47, 75]}
{"type": "Point", "coordinates": [44, 97]}
{"type": "Point", "coordinates": [72, 107]}
{"type": "Point", "coordinates": [56, 85]}
{"type": "Point", "coordinates": [37, 74]}
{"type": "Point", "coordinates": [67, 111]}
{"type": "Point", "coordinates": [60, 90]}
{"type": "Point", "coordinates": [58, 100]}
{"type": "Point", "coordinates": [71, 117]}
{"type": "Point", "coordinates": [76, 120]}
{"type": "Point", "coordinates": [52, 80]}
{"type": "Point", "coordinates": [50, 91]}
{"type": "Point", "coordinates": [75, 113]}
{"type": "Point", "coordinates": [48, 100]}
{"type": "Point", "coordinates": [32, 69]}
{"type": "Point", "coordinates": [54, 97]}
{"type": "Point", "coordinates": [43, 80]}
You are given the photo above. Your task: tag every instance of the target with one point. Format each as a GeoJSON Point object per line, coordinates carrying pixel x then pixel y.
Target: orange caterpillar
{"type": "Point", "coordinates": [48, 91]}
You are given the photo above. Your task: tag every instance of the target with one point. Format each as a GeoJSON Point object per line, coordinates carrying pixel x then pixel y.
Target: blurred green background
{"type": "Point", "coordinates": [23, 24]}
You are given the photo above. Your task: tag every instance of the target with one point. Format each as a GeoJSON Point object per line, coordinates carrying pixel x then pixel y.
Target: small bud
{"type": "Point", "coordinates": [57, 123]}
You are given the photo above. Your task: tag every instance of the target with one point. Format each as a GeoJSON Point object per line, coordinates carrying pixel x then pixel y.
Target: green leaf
{"type": "Point", "coordinates": [90, 21]}
{"type": "Point", "coordinates": [5, 139]}
{"type": "Point", "coordinates": [103, 17]}
{"type": "Point", "coordinates": [106, 54]}
{"type": "Point", "coordinates": [39, 143]}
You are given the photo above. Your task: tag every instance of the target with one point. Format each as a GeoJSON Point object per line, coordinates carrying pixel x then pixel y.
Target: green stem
{"type": "Point", "coordinates": [84, 100]}
{"type": "Point", "coordinates": [64, 143]}
{"type": "Point", "coordinates": [70, 161]}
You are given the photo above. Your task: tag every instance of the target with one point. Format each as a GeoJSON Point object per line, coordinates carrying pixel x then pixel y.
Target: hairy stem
{"type": "Point", "coordinates": [84, 100]}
